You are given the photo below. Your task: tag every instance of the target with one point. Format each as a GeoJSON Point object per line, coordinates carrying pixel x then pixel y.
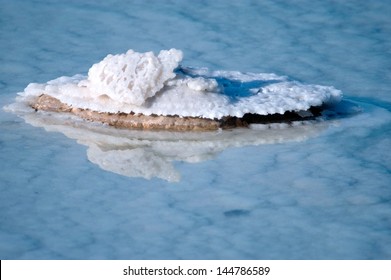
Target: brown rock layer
{"type": "Point", "coordinates": [139, 121]}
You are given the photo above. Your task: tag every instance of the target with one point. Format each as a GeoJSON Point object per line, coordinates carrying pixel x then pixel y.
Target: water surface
{"type": "Point", "coordinates": [325, 195]}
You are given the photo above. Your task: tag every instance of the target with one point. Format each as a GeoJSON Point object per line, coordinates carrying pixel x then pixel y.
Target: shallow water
{"type": "Point", "coordinates": [316, 191]}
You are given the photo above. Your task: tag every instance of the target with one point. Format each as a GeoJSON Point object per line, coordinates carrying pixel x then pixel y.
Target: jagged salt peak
{"type": "Point", "coordinates": [148, 84]}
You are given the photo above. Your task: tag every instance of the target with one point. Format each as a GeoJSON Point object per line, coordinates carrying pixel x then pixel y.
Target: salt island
{"type": "Point", "coordinates": [147, 91]}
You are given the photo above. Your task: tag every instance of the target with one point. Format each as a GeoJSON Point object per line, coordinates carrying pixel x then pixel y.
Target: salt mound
{"type": "Point", "coordinates": [144, 84]}
{"type": "Point", "coordinates": [132, 77]}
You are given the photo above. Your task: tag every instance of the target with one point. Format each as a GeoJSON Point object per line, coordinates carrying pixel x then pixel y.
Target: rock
{"type": "Point", "coordinates": [153, 122]}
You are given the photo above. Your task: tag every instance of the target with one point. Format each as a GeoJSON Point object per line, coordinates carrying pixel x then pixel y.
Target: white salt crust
{"type": "Point", "coordinates": [132, 77]}
{"type": "Point", "coordinates": [148, 84]}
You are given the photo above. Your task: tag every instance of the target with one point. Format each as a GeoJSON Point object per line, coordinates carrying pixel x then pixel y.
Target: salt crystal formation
{"type": "Point", "coordinates": [121, 88]}
{"type": "Point", "coordinates": [132, 77]}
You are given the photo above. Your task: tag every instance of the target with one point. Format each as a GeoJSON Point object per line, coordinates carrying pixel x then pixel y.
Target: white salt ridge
{"type": "Point", "coordinates": [148, 84]}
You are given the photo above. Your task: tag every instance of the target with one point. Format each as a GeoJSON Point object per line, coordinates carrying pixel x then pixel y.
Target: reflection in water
{"type": "Point", "coordinates": [150, 154]}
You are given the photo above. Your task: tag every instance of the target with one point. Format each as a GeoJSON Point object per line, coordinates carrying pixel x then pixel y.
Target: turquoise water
{"type": "Point", "coordinates": [319, 191]}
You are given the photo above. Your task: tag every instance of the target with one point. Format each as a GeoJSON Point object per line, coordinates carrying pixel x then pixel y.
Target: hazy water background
{"type": "Point", "coordinates": [326, 197]}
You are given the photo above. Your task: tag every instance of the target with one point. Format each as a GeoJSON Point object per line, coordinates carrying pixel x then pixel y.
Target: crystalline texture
{"type": "Point", "coordinates": [132, 77]}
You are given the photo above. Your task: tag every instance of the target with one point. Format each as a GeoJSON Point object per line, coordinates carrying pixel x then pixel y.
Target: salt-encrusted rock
{"type": "Point", "coordinates": [141, 90]}
{"type": "Point", "coordinates": [140, 121]}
